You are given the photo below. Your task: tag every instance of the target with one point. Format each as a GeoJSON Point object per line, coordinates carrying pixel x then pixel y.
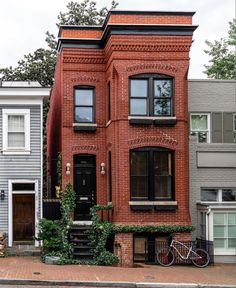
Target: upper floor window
{"type": "Point", "coordinates": [215, 127]}
{"type": "Point", "coordinates": [218, 195]}
{"type": "Point", "coordinates": [84, 105]}
{"type": "Point", "coordinates": [151, 172]}
{"type": "Point", "coordinates": [200, 126]}
{"type": "Point", "coordinates": [151, 95]}
{"type": "Point", "coordinates": [16, 130]}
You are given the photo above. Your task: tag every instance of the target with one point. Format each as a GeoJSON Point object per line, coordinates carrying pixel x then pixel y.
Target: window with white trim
{"type": "Point", "coordinates": [200, 126]}
{"type": "Point", "coordinates": [224, 231]}
{"type": "Point", "coordinates": [234, 127]}
{"type": "Point", "coordinates": [218, 195]}
{"type": "Point", "coordinates": [16, 131]}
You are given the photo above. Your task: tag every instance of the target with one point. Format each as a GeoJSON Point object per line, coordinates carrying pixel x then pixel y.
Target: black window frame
{"type": "Point", "coordinates": [85, 87]}
{"type": "Point", "coordinates": [151, 94]}
{"type": "Point", "coordinates": [151, 175]}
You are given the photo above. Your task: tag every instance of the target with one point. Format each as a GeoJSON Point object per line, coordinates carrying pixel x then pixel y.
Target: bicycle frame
{"type": "Point", "coordinates": [190, 250]}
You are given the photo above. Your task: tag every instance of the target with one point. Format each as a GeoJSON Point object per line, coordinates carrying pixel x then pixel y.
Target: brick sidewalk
{"type": "Point", "coordinates": [33, 268]}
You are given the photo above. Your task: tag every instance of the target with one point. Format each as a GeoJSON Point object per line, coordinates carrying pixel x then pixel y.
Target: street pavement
{"type": "Point", "coordinates": [31, 271]}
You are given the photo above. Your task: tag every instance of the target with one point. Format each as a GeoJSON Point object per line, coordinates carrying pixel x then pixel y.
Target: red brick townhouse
{"type": "Point", "coordinates": [119, 116]}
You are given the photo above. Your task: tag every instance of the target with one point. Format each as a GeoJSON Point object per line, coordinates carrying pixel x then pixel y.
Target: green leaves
{"type": "Point", "coordinates": [222, 56]}
{"type": "Point", "coordinates": [84, 13]}
{"type": "Point", "coordinates": [102, 230]}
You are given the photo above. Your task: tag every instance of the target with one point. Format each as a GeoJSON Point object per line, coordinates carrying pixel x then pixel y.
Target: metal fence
{"type": "Point", "coordinates": [152, 247]}
{"type": "Point", "coordinates": [51, 209]}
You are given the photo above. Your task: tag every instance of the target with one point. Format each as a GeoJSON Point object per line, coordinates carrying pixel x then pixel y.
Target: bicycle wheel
{"type": "Point", "coordinates": [202, 258]}
{"type": "Point", "coordinates": [165, 257]}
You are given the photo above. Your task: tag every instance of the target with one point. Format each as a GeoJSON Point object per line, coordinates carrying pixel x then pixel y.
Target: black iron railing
{"type": "Point", "coordinates": [51, 209]}
{"type": "Point", "coordinates": [152, 247]}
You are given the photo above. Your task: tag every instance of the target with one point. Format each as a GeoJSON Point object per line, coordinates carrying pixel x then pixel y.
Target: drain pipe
{"type": "Point", "coordinates": [207, 222]}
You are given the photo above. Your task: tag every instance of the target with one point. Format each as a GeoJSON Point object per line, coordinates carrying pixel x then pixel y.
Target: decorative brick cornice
{"type": "Point", "coordinates": [162, 139]}
{"type": "Point", "coordinates": [83, 60]}
{"type": "Point", "coordinates": [152, 47]}
{"type": "Point", "coordinates": [85, 148]}
{"type": "Point", "coordinates": [149, 66]}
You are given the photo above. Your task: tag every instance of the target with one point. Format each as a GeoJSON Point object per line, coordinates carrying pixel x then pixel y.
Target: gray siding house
{"type": "Point", "coordinates": [21, 110]}
{"type": "Point", "coordinates": [212, 108]}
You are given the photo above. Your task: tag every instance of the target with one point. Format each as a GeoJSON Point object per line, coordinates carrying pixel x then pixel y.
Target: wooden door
{"type": "Point", "coordinates": [23, 217]}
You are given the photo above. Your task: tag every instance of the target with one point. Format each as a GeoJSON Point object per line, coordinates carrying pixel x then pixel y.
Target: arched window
{"type": "Point", "coordinates": [151, 95]}
{"type": "Point", "coordinates": [151, 174]}
{"type": "Point", "coordinates": [84, 104]}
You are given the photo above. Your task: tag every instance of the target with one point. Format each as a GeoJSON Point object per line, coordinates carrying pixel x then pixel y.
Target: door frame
{"type": "Point", "coordinates": [10, 207]}
{"type": "Point", "coordinates": [94, 156]}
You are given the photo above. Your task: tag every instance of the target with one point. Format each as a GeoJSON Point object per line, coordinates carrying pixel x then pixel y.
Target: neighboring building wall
{"type": "Point", "coordinates": [53, 128]}
{"type": "Point", "coordinates": [208, 96]}
{"type": "Point", "coordinates": [25, 167]}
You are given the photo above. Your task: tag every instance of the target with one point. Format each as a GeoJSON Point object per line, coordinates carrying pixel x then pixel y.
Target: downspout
{"type": "Point", "coordinates": [207, 223]}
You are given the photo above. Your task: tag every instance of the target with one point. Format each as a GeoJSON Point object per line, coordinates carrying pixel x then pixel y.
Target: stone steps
{"type": "Point", "coordinates": [79, 238]}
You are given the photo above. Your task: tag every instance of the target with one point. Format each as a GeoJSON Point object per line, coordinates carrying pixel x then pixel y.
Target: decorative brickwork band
{"type": "Point", "coordinates": [149, 66]}
{"type": "Point", "coordinates": [84, 79]}
{"type": "Point", "coordinates": [85, 148]}
{"type": "Point", "coordinates": [162, 139]}
{"type": "Point", "coordinates": [152, 48]}
{"type": "Point", "coordinates": [85, 60]}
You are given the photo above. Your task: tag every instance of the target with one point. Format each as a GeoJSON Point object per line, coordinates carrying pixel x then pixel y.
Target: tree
{"type": "Point", "coordinates": [223, 56]}
{"type": "Point", "coordinates": [39, 65]}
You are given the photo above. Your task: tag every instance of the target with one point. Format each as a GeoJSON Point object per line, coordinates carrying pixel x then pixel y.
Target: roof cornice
{"type": "Point", "coordinates": [126, 29]}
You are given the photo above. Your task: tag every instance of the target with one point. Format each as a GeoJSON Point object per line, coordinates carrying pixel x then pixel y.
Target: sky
{"type": "Point", "coordinates": [23, 24]}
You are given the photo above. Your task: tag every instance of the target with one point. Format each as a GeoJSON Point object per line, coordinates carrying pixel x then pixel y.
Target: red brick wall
{"type": "Point", "coordinates": [123, 248]}
{"type": "Point", "coordinates": [122, 57]}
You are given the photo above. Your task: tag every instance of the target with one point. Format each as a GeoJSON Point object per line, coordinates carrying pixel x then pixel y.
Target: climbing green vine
{"type": "Point", "coordinates": [55, 234]}
{"type": "Point", "coordinates": [102, 230]}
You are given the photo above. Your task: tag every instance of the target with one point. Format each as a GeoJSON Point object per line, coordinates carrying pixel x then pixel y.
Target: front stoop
{"type": "Point", "coordinates": [79, 238]}
{"type": "Point", "coordinates": [23, 250]}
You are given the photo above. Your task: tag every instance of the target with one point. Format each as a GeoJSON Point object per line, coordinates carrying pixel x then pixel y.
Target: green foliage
{"type": "Point", "coordinates": [50, 234]}
{"type": "Point", "coordinates": [102, 230]}
{"type": "Point", "coordinates": [223, 56]}
{"type": "Point", "coordinates": [84, 13]}
{"type": "Point", "coordinates": [55, 234]}
{"type": "Point", "coordinates": [40, 65]}
{"type": "Point", "coordinates": [107, 258]}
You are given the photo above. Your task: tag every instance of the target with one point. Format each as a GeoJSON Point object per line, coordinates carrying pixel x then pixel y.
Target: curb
{"type": "Point", "coordinates": [28, 282]}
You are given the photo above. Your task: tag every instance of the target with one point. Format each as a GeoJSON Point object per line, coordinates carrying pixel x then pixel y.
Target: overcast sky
{"type": "Point", "coordinates": [23, 24]}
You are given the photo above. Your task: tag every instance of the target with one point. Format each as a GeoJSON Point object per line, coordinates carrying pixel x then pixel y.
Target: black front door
{"type": "Point", "coordinates": [84, 185]}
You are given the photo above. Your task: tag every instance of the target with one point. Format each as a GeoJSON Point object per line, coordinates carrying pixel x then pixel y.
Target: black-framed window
{"type": "Point", "coordinates": [151, 95]}
{"type": "Point", "coordinates": [151, 174]}
{"type": "Point", "coordinates": [84, 105]}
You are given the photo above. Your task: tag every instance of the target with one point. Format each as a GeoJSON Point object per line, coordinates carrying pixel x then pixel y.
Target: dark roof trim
{"type": "Point", "coordinates": [125, 12]}
{"type": "Point", "coordinates": [183, 30]}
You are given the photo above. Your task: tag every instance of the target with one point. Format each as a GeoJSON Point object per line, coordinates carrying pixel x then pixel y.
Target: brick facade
{"type": "Point", "coordinates": [119, 57]}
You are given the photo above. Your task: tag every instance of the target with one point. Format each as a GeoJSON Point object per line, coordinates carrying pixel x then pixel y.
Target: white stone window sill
{"type": "Point", "coordinates": [16, 152]}
{"type": "Point", "coordinates": [152, 118]}
{"type": "Point", "coordinates": [143, 203]}
{"type": "Point", "coordinates": [84, 124]}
